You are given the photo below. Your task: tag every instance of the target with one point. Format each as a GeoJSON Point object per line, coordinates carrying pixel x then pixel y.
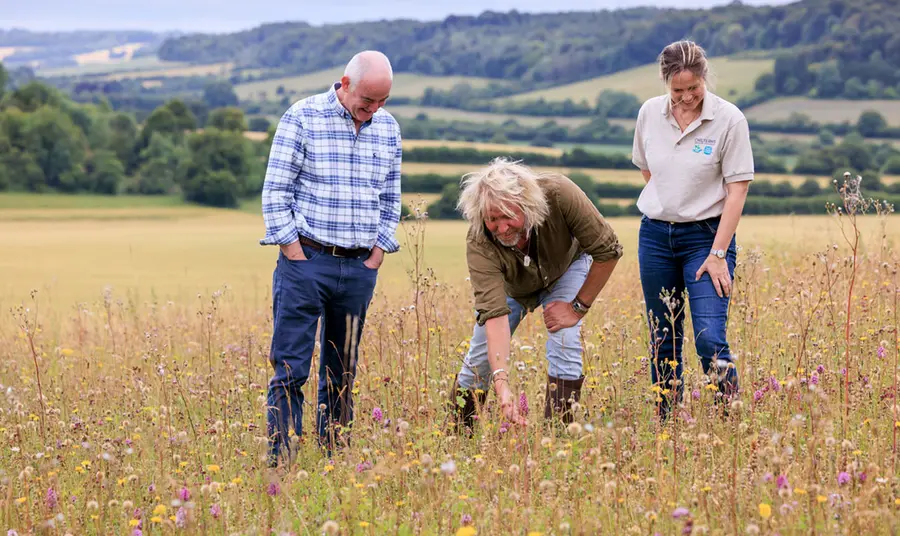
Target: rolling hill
{"type": "Point", "coordinates": [824, 110]}
{"type": "Point", "coordinates": [405, 84]}
{"type": "Point", "coordinates": [731, 78]}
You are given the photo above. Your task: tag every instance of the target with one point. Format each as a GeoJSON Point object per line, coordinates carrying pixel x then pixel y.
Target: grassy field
{"type": "Point", "coordinates": [600, 175]}
{"type": "Point", "coordinates": [145, 63]}
{"type": "Point", "coordinates": [413, 144]}
{"type": "Point", "coordinates": [731, 79]}
{"type": "Point", "coordinates": [824, 110]}
{"type": "Point", "coordinates": [136, 377]}
{"type": "Point", "coordinates": [216, 69]}
{"type": "Point", "coordinates": [103, 56]}
{"type": "Point", "coordinates": [809, 138]}
{"type": "Point", "coordinates": [405, 84]}
{"type": "Point", "coordinates": [448, 114]}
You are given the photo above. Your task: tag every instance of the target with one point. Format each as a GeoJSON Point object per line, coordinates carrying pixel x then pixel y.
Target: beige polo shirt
{"type": "Point", "coordinates": [689, 170]}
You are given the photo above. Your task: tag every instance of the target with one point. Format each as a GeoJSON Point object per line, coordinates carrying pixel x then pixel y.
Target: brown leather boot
{"type": "Point", "coordinates": [462, 407]}
{"type": "Point", "coordinates": [560, 395]}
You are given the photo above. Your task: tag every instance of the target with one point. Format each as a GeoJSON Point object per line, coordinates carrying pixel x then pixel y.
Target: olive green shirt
{"type": "Point", "coordinates": [572, 227]}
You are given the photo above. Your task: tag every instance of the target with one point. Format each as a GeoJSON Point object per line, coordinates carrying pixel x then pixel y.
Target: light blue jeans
{"type": "Point", "coordinates": [564, 352]}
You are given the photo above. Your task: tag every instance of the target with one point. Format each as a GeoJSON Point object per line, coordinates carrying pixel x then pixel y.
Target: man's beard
{"type": "Point", "coordinates": [514, 242]}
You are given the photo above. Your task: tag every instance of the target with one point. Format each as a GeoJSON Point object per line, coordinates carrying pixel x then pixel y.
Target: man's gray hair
{"type": "Point", "coordinates": [362, 62]}
{"type": "Point", "coordinates": [503, 184]}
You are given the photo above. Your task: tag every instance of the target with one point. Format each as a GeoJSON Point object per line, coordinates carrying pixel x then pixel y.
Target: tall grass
{"type": "Point", "coordinates": [148, 416]}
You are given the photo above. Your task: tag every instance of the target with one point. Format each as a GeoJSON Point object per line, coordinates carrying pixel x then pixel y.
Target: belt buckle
{"type": "Point", "coordinates": [334, 252]}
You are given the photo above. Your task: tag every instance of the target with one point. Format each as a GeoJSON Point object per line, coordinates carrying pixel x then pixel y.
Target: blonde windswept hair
{"type": "Point", "coordinates": [502, 183]}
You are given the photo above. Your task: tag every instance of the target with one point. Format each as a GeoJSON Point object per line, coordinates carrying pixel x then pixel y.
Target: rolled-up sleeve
{"type": "Point", "coordinates": [587, 225]}
{"type": "Point", "coordinates": [737, 153]}
{"type": "Point", "coordinates": [486, 277]}
{"type": "Point", "coordinates": [390, 200]}
{"type": "Point", "coordinates": [286, 158]}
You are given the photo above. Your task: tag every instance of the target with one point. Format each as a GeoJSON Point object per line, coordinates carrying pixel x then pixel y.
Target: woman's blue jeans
{"type": "Point", "coordinates": [669, 255]}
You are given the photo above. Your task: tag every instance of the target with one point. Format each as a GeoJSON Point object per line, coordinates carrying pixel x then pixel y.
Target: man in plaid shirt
{"type": "Point", "coordinates": [331, 202]}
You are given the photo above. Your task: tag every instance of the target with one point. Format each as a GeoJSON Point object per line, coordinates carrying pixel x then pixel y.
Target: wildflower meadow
{"type": "Point", "coordinates": [144, 413]}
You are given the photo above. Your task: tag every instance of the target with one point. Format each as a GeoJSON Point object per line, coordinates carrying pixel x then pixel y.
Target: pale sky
{"type": "Point", "coordinates": [234, 15]}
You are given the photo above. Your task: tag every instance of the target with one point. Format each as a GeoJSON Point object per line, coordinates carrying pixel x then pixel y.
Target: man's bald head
{"type": "Point", "coordinates": [366, 84]}
{"type": "Point", "coordinates": [369, 66]}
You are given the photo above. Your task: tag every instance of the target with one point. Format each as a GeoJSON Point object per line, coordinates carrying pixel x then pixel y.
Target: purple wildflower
{"type": "Point", "coordinates": [180, 518]}
{"type": "Point", "coordinates": [466, 519]}
{"type": "Point", "coordinates": [215, 510]}
{"type": "Point", "coordinates": [695, 394]}
{"type": "Point", "coordinates": [523, 404]}
{"type": "Point", "coordinates": [781, 482]}
{"type": "Point", "coordinates": [504, 427]}
{"type": "Point", "coordinates": [364, 466]}
{"type": "Point", "coordinates": [843, 478]}
{"type": "Point", "coordinates": [881, 352]}
{"type": "Point", "coordinates": [273, 489]}
{"type": "Point", "coordinates": [184, 494]}
{"type": "Point", "coordinates": [52, 499]}
{"type": "Point", "coordinates": [12, 532]}
{"type": "Point", "coordinates": [680, 512]}
{"type": "Point", "coordinates": [768, 477]}
{"type": "Point", "coordinates": [773, 382]}
{"type": "Point", "coordinates": [151, 488]}
{"type": "Point", "coordinates": [137, 532]}
{"type": "Point", "coordinates": [377, 414]}
{"type": "Point", "coordinates": [861, 477]}
{"type": "Point", "coordinates": [814, 379]}
{"type": "Point", "coordinates": [757, 396]}
{"type": "Point", "coordinates": [820, 369]}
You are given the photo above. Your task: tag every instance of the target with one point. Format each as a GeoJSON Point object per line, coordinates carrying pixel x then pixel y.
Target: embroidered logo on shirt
{"type": "Point", "coordinates": [697, 148]}
{"type": "Point", "coordinates": [707, 150]}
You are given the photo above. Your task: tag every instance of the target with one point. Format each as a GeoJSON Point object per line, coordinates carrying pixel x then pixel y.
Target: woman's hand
{"type": "Point", "coordinates": [718, 271]}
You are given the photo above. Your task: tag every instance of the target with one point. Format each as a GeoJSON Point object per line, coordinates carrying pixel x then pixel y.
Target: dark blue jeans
{"type": "Point", "coordinates": [669, 255]}
{"type": "Point", "coordinates": [338, 291]}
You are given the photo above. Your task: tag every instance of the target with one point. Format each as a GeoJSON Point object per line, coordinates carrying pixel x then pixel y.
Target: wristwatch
{"type": "Point", "coordinates": [580, 308]}
{"type": "Point", "coordinates": [720, 253]}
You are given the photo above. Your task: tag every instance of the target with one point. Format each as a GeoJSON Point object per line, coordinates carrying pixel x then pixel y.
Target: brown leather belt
{"type": "Point", "coordinates": [335, 251]}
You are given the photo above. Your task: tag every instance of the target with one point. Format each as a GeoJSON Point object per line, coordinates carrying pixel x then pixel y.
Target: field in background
{"type": "Point", "coordinates": [448, 114]}
{"type": "Point", "coordinates": [601, 175]}
{"type": "Point", "coordinates": [134, 65]}
{"type": "Point", "coordinates": [732, 79]}
{"type": "Point", "coordinates": [71, 247]}
{"type": "Point", "coordinates": [104, 55]}
{"type": "Point", "coordinates": [824, 110]}
{"type": "Point", "coordinates": [405, 84]}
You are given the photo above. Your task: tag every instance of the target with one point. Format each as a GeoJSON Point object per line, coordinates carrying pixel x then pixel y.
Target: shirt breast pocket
{"type": "Point", "coordinates": [378, 164]}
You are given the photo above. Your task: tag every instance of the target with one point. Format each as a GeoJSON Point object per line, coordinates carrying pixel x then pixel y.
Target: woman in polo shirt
{"type": "Point", "coordinates": [693, 149]}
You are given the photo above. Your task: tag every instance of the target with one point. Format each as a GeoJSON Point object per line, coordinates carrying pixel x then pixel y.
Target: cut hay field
{"type": "Point", "coordinates": [824, 110]}
{"type": "Point", "coordinates": [215, 69]}
{"type": "Point", "coordinates": [601, 175]}
{"type": "Point", "coordinates": [104, 55]}
{"type": "Point", "coordinates": [450, 114]}
{"type": "Point", "coordinates": [135, 388]}
{"type": "Point", "coordinates": [731, 77]}
{"type": "Point", "coordinates": [480, 146]}
{"type": "Point", "coordinates": [144, 63]}
{"type": "Point", "coordinates": [405, 84]}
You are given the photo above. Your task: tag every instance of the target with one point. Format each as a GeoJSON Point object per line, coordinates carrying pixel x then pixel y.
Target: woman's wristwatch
{"type": "Point", "coordinates": [720, 253]}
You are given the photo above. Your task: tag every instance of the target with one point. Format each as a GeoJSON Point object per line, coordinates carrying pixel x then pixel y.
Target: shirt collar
{"type": "Point", "coordinates": [335, 102]}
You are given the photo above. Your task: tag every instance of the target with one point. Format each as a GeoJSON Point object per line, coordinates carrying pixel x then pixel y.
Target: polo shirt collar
{"type": "Point", "coordinates": [707, 112]}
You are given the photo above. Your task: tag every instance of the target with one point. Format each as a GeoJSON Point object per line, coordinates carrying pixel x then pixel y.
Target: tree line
{"type": "Point", "coordinates": [859, 37]}
{"type": "Point", "coordinates": [50, 143]}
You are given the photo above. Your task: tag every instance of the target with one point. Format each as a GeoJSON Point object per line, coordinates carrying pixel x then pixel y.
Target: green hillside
{"type": "Point", "coordinates": [732, 78]}
{"type": "Point", "coordinates": [405, 84]}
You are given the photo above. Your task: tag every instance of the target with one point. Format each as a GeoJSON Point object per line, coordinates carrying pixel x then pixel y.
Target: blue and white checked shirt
{"type": "Point", "coordinates": [328, 183]}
